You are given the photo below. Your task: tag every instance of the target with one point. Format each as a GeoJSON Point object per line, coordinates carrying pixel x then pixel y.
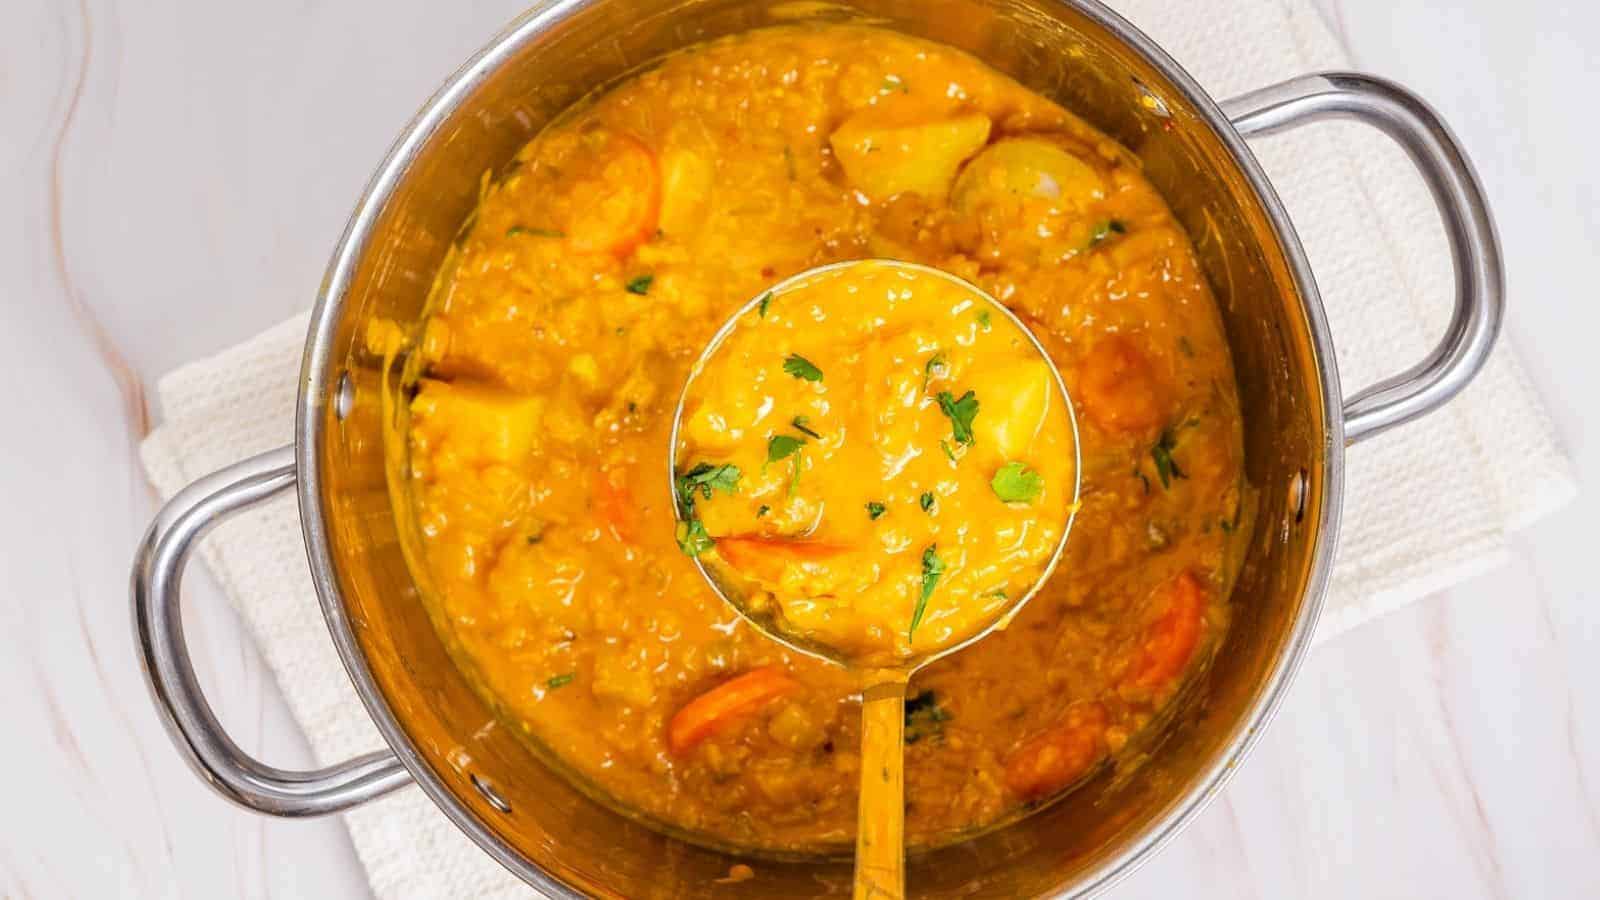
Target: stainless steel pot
{"type": "Point", "coordinates": [1299, 424]}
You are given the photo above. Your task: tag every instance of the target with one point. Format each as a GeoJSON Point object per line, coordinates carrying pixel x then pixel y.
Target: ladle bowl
{"type": "Point", "coordinates": [880, 830]}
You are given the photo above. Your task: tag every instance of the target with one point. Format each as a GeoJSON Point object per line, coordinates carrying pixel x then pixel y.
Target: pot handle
{"type": "Point", "coordinates": [1474, 247]}
{"type": "Point", "coordinates": [157, 576]}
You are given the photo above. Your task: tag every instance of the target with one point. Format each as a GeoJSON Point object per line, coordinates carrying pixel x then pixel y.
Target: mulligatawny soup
{"type": "Point", "coordinates": [563, 326]}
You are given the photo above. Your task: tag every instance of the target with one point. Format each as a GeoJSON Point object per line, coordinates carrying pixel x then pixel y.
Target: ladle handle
{"type": "Point", "coordinates": [881, 813]}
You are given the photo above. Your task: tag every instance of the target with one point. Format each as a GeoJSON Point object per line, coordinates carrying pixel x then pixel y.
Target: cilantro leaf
{"type": "Point", "coordinates": [562, 680]}
{"type": "Point", "coordinates": [800, 367]}
{"type": "Point", "coordinates": [705, 478]}
{"type": "Point", "coordinates": [515, 230]}
{"type": "Point", "coordinates": [640, 284]}
{"type": "Point", "coordinates": [926, 501]}
{"type": "Point", "coordinates": [692, 538]}
{"type": "Point", "coordinates": [803, 425]}
{"type": "Point", "coordinates": [782, 446]}
{"type": "Point", "coordinates": [925, 718]}
{"type": "Point", "coordinates": [766, 301]}
{"type": "Point", "coordinates": [936, 368]}
{"type": "Point", "coordinates": [932, 568]}
{"type": "Point", "coordinates": [1104, 230]}
{"type": "Point", "coordinates": [961, 413]}
{"type": "Point", "coordinates": [1166, 467]}
{"type": "Point", "coordinates": [1016, 483]}
{"type": "Point", "coordinates": [983, 319]}
{"type": "Point", "coordinates": [876, 509]}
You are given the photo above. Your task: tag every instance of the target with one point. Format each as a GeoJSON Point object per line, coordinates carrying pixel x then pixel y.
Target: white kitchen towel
{"type": "Point", "coordinates": [1426, 506]}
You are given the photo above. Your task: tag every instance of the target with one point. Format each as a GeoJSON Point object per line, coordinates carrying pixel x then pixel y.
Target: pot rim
{"type": "Point", "coordinates": [311, 421]}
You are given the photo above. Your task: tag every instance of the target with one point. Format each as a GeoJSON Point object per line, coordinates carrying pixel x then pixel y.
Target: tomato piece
{"type": "Point", "coordinates": [1170, 641]}
{"type": "Point", "coordinates": [1119, 388]}
{"type": "Point", "coordinates": [767, 557]}
{"type": "Point", "coordinates": [615, 197]}
{"type": "Point", "coordinates": [1060, 755]}
{"type": "Point", "coordinates": [726, 703]}
{"type": "Point", "coordinates": [614, 502]}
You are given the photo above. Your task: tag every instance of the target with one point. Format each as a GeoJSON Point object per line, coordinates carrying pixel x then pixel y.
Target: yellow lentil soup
{"type": "Point", "coordinates": [563, 327]}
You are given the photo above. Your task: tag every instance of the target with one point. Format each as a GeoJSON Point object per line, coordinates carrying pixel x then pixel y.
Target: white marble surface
{"type": "Point", "coordinates": [173, 174]}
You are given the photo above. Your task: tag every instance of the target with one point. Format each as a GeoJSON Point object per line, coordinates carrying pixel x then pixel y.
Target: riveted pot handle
{"type": "Point", "coordinates": [1474, 247]}
{"type": "Point", "coordinates": [157, 577]}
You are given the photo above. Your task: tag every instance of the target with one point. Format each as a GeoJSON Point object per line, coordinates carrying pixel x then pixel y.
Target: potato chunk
{"type": "Point", "coordinates": [1017, 394]}
{"type": "Point", "coordinates": [884, 158]}
{"type": "Point", "coordinates": [1023, 168]}
{"type": "Point", "coordinates": [478, 423]}
{"type": "Point", "coordinates": [687, 178]}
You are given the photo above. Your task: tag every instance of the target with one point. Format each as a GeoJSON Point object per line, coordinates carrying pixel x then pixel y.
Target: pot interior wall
{"type": "Point", "coordinates": [1052, 48]}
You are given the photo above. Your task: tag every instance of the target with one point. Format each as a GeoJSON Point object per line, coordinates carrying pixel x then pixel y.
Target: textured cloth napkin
{"type": "Point", "coordinates": [1426, 505]}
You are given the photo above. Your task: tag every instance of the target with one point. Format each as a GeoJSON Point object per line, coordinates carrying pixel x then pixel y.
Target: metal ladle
{"type": "Point", "coordinates": [880, 828]}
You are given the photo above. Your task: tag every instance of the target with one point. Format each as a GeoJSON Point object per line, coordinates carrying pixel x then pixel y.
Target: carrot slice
{"type": "Point", "coordinates": [1059, 755]}
{"type": "Point", "coordinates": [616, 198]}
{"type": "Point", "coordinates": [1170, 641]}
{"type": "Point", "coordinates": [765, 558]}
{"type": "Point", "coordinates": [1119, 388]}
{"type": "Point", "coordinates": [725, 703]}
{"type": "Point", "coordinates": [614, 502]}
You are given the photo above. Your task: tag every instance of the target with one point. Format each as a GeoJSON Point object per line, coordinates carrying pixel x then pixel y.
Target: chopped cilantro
{"type": "Point", "coordinates": [1166, 467]}
{"type": "Point", "coordinates": [997, 593]}
{"type": "Point", "coordinates": [961, 413]}
{"type": "Point", "coordinates": [515, 230]}
{"type": "Point", "coordinates": [562, 680]}
{"type": "Point", "coordinates": [761, 307]}
{"type": "Point", "coordinates": [892, 83]}
{"type": "Point", "coordinates": [1104, 230]}
{"type": "Point", "coordinates": [802, 425]}
{"type": "Point", "coordinates": [640, 284]}
{"type": "Point", "coordinates": [705, 478]}
{"type": "Point", "coordinates": [1016, 483]}
{"type": "Point", "coordinates": [876, 509]}
{"type": "Point", "coordinates": [781, 446]}
{"type": "Point", "coordinates": [936, 368]}
{"type": "Point", "coordinates": [926, 501]}
{"type": "Point", "coordinates": [800, 367]}
{"type": "Point", "coordinates": [983, 319]}
{"type": "Point", "coordinates": [692, 538]}
{"type": "Point", "coordinates": [932, 568]}
{"type": "Point", "coordinates": [762, 510]}
{"type": "Point", "coordinates": [925, 718]}
{"type": "Point", "coordinates": [948, 453]}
